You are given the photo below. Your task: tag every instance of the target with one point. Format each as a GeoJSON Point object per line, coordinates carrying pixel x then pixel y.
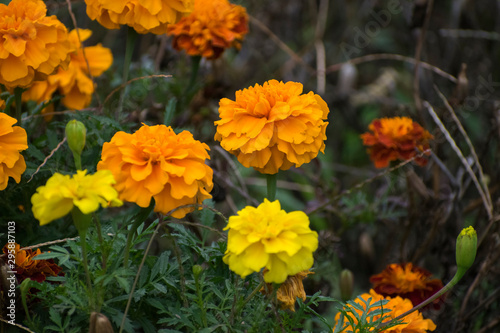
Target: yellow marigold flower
{"type": "Point", "coordinates": [395, 138]}
{"type": "Point", "coordinates": [268, 237]}
{"type": "Point", "coordinates": [154, 162]}
{"type": "Point", "coordinates": [413, 323]}
{"type": "Point", "coordinates": [273, 127]}
{"type": "Point", "coordinates": [13, 139]}
{"type": "Point", "coordinates": [62, 192]}
{"type": "Point", "coordinates": [407, 281]}
{"type": "Point", "coordinates": [142, 15]}
{"type": "Point", "coordinates": [32, 44]}
{"type": "Point", "coordinates": [289, 290]}
{"type": "Point", "coordinates": [212, 27]}
{"type": "Point", "coordinates": [74, 82]}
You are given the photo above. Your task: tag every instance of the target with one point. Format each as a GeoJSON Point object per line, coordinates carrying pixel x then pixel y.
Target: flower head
{"type": "Point", "coordinates": [29, 268]}
{"type": "Point", "coordinates": [154, 162]}
{"type": "Point", "coordinates": [413, 323]}
{"type": "Point", "coordinates": [268, 237]}
{"type": "Point", "coordinates": [62, 192]}
{"type": "Point", "coordinates": [13, 140]}
{"type": "Point", "coordinates": [32, 44]}
{"type": "Point", "coordinates": [466, 248]}
{"type": "Point", "coordinates": [407, 281]}
{"type": "Point", "coordinates": [142, 15]}
{"type": "Point", "coordinates": [395, 138]}
{"type": "Point", "coordinates": [212, 27]}
{"type": "Point", "coordinates": [289, 290]}
{"type": "Point", "coordinates": [273, 127]}
{"type": "Point", "coordinates": [74, 83]}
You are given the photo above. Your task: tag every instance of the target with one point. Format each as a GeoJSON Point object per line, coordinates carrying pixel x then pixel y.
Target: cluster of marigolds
{"type": "Point", "coordinates": [269, 127]}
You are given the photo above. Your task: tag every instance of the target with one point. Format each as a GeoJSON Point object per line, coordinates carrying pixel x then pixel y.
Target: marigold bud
{"type": "Point", "coordinates": [466, 248]}
{"type": "Point", "coordinates": [99, 323]}
{"type": "Point", "coordinates": [75, 134]}
{"type": "Point", "coordinates": [197, 269]}
{"type": "Point", "coordinates": [346, 284]}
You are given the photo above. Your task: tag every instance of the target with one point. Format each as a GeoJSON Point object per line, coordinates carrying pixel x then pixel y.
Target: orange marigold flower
{"type": "Point", "coordinates": [413, 323]}
{"type": "Point", "coordinates": [395, 138]}
{"type": "Point", "coordinates": [154, 162]}
{"type": "Point", "coordinates": [212, 27]}
{"type": "Point", "coordinates": [142, 15]}
{"type": "Point", "coordinates": [273, 127]}
{"type": "Point", "coordinates": [407, 281]}
{"type": "Point", "coordinates": [74, 82]}
{"type": "Point", "coordinates": [29, 268]}
{"type": "Point", "coordinates": [289, 290]}
{"type": "Point", "coordinates": [13, 140]}
{"type": "Point", "coordinates": [32, 44]}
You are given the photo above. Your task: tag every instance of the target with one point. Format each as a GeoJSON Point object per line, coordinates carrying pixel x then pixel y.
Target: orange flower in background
{"type": "Point", "coordinates": [289, 290]}
{"type": "Point", "coordinates": [273, 127]}
{"type": "Point", "coordinates": [413, 323]}
{"type": "Point", "coordinates": [29, 268]}
{"type": "Point", "coordinates": [212, 27]}
{"type": "Point", "coordinates": [154, 162]}
{"type": "Point", "coordinates": [32, 44]}
{"type": "Point", "coordinates": [395, 138]}
{"type": "Point", "coordinates": [13, 140]}
{"type": "Point", "coordinates": [74, 82]}
{"type": "Point", "coordinates": [142, 15]}
{"type": "Point", "coordinates": [407, 281]}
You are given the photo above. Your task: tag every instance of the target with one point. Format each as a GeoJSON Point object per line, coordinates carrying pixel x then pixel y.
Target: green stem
{"type": "Point", "coordinates": [129, 51]}
{"type": "Point", "coordinates": [271, 186]}
{"type": "Point", "coordinates": [83, 244]}
{"type": "Point", "coordinates": [199, 293]}
{"type": "Point", "coordinates": [182, 277]}
{"type": "Point", "coordinates": [255, 291]}
{"type": "Point", "coordinates": [138, 220]}
{"type": "Point", "coordinates": [82, 223]}
{"type": "Point", "coordinates": [18, 93]}
{"type": "Point", "coordinates": [78, 161]}
{"type": "Point", "coordinates": [458, 275]}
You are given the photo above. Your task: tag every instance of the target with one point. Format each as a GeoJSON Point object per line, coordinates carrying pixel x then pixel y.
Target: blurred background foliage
{"type": "Point", "coordinates": [359, 55]}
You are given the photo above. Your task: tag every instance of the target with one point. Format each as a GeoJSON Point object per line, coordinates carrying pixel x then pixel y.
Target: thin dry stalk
{"type": "Point", "coordinates": [389, 56]}
{"type": "Point", "coordinates": [321, 18]}
{"type": "Point", "coordinates": [281, 44]}
{"type": "Point", "coordinates": [57, 241]}
{"type": "Point", "coordinates": [47, 158]}
{"type": "Point", "coordinates": [73, 18]}
{"type": "Point", "coordinates": [469, 143]}
{"type": "Point", "coordinates": [363, 183]}
{"type": "Point", "coordinates": [489, 209]}
{"type": "Point", "coordinates": [418, 54]}
{"type": "Point", "coordinates": [236, 172]}
{"type": "Point", "coordinates": [132, 80]}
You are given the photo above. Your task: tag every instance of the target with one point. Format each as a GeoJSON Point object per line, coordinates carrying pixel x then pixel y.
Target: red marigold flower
{"type": "Point", "coordinates": [395, 138]}
{"type": "Point", "coordinates": [13, 140]}
{"type": "Point", "coordinates": [407, 281]}
{"type": "Point", "coordinates": [154, 162]}
{"type": "Point", "coordinates": [29, 268]}
{"type": "Point", "coordinates": [212, 27]}
{"type": "Point", "coordinates": [32, 44]}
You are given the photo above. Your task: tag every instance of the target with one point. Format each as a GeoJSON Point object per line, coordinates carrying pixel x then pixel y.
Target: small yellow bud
{"type": "Point", "coordinates": [75, 134]}
{"type": "Point", "coordinates": [346, 284]}
{"type": "Point", "coordinates": [466, 248]}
